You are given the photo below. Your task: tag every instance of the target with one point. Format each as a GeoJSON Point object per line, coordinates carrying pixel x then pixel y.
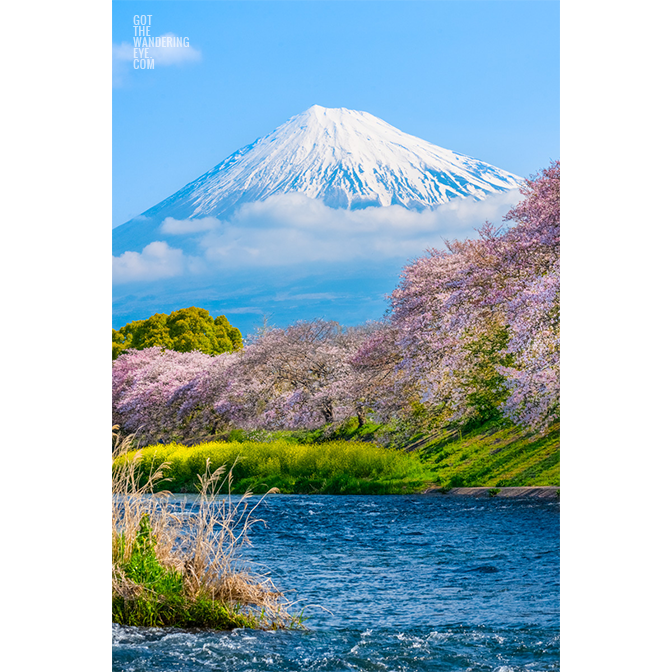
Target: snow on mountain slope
{"type": "Point", "coordinates": [348, 159]}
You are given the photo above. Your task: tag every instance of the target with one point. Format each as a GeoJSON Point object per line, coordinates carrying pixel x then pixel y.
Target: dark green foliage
{"type": "Point", "coordinates": [183, 330]}
{"type": "Point", "coordinates": [174, 610]}
{"type": "Point", "coordinates": [486, 383]}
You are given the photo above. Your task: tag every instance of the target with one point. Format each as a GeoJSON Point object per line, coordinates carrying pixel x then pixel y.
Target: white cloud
{"type": "Point", "coordinates": [156, 261]}
{"type": "Point", "coordinates": [293, 228]}
{"type": "Point", "coordinates": [122, 52]}
{"type": "Point", "coordinates": [183, 226]}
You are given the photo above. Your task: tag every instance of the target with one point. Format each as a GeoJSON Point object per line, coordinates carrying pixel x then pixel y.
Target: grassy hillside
{"type": "Point", "coordinates": [491, 455]}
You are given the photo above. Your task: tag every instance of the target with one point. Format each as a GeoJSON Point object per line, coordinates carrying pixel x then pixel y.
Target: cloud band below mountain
{"type": "Point", "coordinates": [292, 229]}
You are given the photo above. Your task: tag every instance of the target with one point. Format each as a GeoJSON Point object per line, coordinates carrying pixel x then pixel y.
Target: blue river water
{"type": "Point", "coordinates": [403, 583]}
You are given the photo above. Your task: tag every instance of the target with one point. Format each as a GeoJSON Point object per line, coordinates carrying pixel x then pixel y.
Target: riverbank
{"type": "Point", "coordinates": [492, 454]}
{"type": "Point", "coordinates": [370, 460]}
{"type": "Point", "coordinates": [532, 492]}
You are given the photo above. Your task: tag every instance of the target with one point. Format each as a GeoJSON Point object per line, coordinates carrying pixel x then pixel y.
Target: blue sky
{"type": "Point", "coordinates": [481, 78]}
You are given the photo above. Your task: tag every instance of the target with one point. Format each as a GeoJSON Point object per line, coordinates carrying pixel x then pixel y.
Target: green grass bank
{"type": "Point", "coordinates": [330, 467]}
{"type": "Point", "coordinates": [352, 460]}
{"type": "Point", "coordinates": [492, 455]}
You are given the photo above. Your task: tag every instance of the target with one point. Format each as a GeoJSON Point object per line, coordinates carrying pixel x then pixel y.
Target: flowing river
{"type": "Point", "coordinates": [404, 583]}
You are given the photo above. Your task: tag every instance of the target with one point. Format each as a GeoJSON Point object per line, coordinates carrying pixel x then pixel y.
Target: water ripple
{"type": "Point", "coordinates": [426, 584]}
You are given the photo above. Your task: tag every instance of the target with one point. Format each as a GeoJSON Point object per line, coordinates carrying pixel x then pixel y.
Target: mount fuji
{"type": "Point", "coordinates": [346, 159]}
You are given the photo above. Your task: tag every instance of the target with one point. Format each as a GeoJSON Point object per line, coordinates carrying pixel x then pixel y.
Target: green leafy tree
{"type": "Point", "coordinates": [183, 330]}
{"type": "Point", "coordinates": [227, 333]}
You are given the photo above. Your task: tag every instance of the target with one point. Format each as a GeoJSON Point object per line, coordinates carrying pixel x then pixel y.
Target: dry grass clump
{"type": "Point", "coordinates": [176, 565]}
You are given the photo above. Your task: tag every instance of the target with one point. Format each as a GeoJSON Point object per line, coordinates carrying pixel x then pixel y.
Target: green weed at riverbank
{"type": "Point", "coordinates": [332, 467]}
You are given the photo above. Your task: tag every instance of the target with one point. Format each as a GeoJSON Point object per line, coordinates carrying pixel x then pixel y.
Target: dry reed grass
{"type": "Point", "coordinates": [198, 546]}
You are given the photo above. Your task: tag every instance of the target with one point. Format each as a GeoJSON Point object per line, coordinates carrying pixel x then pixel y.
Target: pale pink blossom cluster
{"type": "Point", "coordinates": [298, 377]}
{"type": "Point", "coordinates": [161, 393]}
{"type": "Point", "coordinates": [484, 314]}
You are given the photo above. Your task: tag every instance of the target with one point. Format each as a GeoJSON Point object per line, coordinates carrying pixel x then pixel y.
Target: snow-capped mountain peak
{"type": "Point", "coordinates": [346, 158]}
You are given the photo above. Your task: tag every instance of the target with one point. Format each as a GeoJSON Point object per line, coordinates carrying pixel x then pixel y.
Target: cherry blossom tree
{"type": "Point", "coordinates": [293, 377]}
{"type": "Point", "coordinates": [162, 394]}
{"type": "Point", "coordinates": [478, 322]}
